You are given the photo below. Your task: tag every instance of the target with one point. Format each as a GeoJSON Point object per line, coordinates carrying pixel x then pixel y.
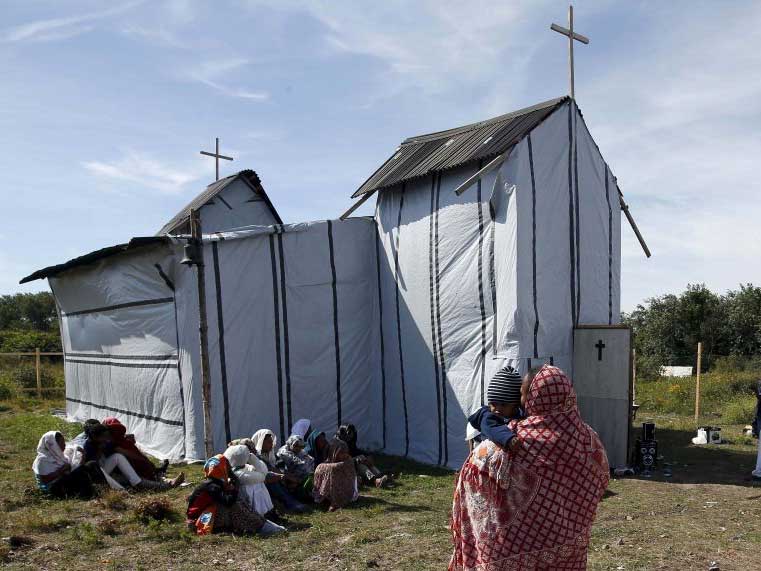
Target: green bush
{"type": "Point", "coordinates": [740, 410]}
{"type": "Point", "coordinates": [25, 376]}
{"type": "Point", "coordinates": [7, 390]}
{"type": "Point", "coordinates": [22, 341]}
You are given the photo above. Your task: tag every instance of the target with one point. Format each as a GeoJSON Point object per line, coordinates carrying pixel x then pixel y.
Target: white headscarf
{"type": "Point", "coordinates": [258, 440]}
{"type": "Point", "coordinates": [301, 427]}
{"type": "Point", "coordinates": [49, 455]}
{"type": "Point", "coordinates": [238, 455]}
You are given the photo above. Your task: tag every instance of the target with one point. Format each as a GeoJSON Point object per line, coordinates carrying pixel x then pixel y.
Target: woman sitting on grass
{"type": "Point", "coordinates": [364, 464]}
{"type": "Point", "coordinates": [252, 473]}
{"type": "Point", "coordinates": [216, 505]}
{"type": "Point", "coordinates": [264, 443]}
{"type": "Point", "coordinates": [297, 465]}
{"type": "Point", "coordinates": [54, 473]}
{"type": "Point", "coordinates": [125, 445]}
{"type": "Point", "coordinates": [317, 446]}
{"type": "Point", "coordinates": [335, 480]}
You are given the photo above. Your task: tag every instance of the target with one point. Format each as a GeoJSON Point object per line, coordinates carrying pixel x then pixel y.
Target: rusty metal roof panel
{"type": "Point", "coordinates": [434, 152]}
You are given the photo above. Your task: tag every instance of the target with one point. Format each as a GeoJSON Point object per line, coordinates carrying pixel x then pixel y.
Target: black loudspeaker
{"type": "Point", "coordinates": [646, 451]}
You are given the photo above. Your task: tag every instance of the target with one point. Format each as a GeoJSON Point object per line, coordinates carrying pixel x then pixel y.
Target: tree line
{"type": "Point", "coordinates": [27, 321]}
{"type": "Point", "coordinates": [667, 329]}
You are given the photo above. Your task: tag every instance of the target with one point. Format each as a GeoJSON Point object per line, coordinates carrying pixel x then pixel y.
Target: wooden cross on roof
{"type": "Point", "coordinates": [216, 156]}
{"type": "Point", "coordinates": [571, 37]}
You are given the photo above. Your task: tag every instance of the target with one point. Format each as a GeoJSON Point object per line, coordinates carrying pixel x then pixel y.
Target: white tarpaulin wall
{"type": "Point", "coordinates": [497, 275]}
{"type": "Point", "coordinates": [119, 338]}
{"type": "Point", "coordinates": [293, 331]}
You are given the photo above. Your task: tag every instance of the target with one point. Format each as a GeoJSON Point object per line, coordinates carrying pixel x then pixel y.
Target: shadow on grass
{"type": "Point", "coordinates": [718, 464]}
{"type": "Point", "coordinates": [389, 507]}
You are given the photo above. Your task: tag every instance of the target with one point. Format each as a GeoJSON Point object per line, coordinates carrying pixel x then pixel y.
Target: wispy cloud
{"type": "Point", "coordinates": [143, 171]}
{"type": "Point", "coordinates": [211, 73]}
{"type": "Point", "coordinates": [62, 28]}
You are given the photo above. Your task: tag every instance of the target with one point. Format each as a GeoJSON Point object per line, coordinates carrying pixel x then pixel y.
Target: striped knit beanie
{"type": "Point", "coordinates": [505, 387]}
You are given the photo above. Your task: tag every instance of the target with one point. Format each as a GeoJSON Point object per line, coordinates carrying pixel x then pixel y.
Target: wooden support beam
{"type": "Point", "coordinates": [632, 223]}
{"type": "Point", "coordinates": [356, 205]}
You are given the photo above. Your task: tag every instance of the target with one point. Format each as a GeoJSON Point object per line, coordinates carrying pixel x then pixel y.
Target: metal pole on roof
{"type": "Point", "coordinates": [203, 331]}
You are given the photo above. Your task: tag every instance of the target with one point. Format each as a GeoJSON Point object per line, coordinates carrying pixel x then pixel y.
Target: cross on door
{"type": "Point", "coordinates": [600, 346]}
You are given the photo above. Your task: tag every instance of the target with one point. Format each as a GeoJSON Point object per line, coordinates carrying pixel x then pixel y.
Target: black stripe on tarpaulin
{"type": "Point", "coordinates": [442, 362]}
{"type": "Point", "coordinates": [179, 376]}
{"type": "Point", "coordinates": [528, 363]}
{"type": "Point", "coordinates": [119, 364]}
{"type": "Point", "coordinates": [533, 244]}
{"type": "Point", "coordinates": [610, 249]}
{"type": "Point", "coordinates": [493, 276]}
{"type": "Point", "coordinates": [336, 344]}
{"type": "Point", "coordinates": [578, 212]}
{"type": "Point", "coordinates": [552, 360]}
{"type": "Point", "coordinates": [380, 325]}
{"type": "Point", "coordinates": [119, 306]}
{"type": "Point", "coordinates": [169, 283]}
{"type": "Point", "coordinates": [571, 215]}
{"type": "Point", "coordinates": [224, 201]}
{"type": "Point", "coordinates": [124, 357]}
{"type": "Point", "coordinates": [481, 301]}
{"type": "Point", "coordinates": [399, 323]}
{"type": "Point", "coordinates": [221, 332]}
{"type": "Point", "coordinates": [278, 354]}
{"type": "Point", "coordinates": [286, 341]}
{"type": "Point", "coordinates": [127, 412]}
{"type": "Point", "coordinates": [432, 304]}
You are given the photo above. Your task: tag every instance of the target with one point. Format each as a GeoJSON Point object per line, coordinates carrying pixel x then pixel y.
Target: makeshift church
{"type": "Point", "coordinates": [490, 244]}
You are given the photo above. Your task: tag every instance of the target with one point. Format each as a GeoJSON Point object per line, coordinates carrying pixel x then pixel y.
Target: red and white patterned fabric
{"type": "Point", "coordinates": [532, 508]}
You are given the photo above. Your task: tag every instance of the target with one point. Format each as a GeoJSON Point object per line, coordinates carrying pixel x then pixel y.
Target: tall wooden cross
{"type": "Point", "coordinates": [216, 156]}
{"type": "Point", "coordinates": [571, 37]}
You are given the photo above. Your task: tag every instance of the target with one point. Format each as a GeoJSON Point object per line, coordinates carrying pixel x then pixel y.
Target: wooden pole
{"type": "Point", "coordinates": [37, 370]}
{"type": "Point", "coordinates": [570, 50]}
{"type": "Point", "coordinates": [697, 382]}
{"type": "Point", "coordinates": [203, 331]}
{"type": "Point", "coordinates": [356, 205]}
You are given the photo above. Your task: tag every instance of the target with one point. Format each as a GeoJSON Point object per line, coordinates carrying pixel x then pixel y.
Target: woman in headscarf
{"type": "Point", "coordinates": [216, 505]}
{"type": "Point", "coordinates": [54, 474]}
{"type": "Point", "coordinates": [125, 445]}
{"type": "Point", "coordinates": [335, 480]}
{"type": "Point", "coordinates": [364, 464]}
{"type": "Point", "coordinates": [264, 443]}
{"type": "Point", "coordinates": [532, 506]}
{"type": "Point", "coordinates": [317, 446]}
{"type": "Point", "coordinates": [251, 474]}
{"type": "Point", "coordinates": [302, 427]}
{"type": "Point", "coordinates": [297, 465]}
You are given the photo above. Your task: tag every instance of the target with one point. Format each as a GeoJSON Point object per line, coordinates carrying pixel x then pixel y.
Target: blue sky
{"type": "Point", "coordinates": [105, 105]}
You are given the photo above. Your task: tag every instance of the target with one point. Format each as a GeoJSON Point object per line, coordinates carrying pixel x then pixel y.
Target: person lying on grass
{"type": "Point", "coordinates": [504, 398]}
{"type": "Point", "coordinates": [335, 480]}
{"type": "Point", "coordinates": [217, 504]}
{"type": "Point", "coordinates": [297, 466]}
{"type": "Point", "coordinates": [98, 447]}
{"type": "Point", "coordinates": [56, 476]}
{"type": "Point", "coordinates": [363, 463]}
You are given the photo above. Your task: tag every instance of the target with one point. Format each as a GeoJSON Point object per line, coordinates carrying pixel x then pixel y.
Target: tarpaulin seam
{"type": "Point", "coordinates": [493, 276]}
{"type": "Point", "coordinates": [336, 342]}
{"type": "Point", "coordinates": [286, 341]}
{"type": "Point", "coordinates": [224, 201]}
{"type": "Point", "coordinates": [164, 277]}
{"type": "Point", "coordinates": [533, 243]}
{"type": "Point", "coordinates": [125, 357]}
{"type": "Point", "coordinates": [221, 329]}
{"type": "Point", "coordinates": [442, 363]}
{"type": "Point", "coordinates": [126, 365]}
{"type": "Point", "coordinates": [179, 376]}
{"type": "Point", "coordinates": [128, 412]}
{"type": "Point", "coordinates": [571, 215]}
{"type": "Point", "coordinates": [380, 325]}
{"type": "Point", "coordinates": [399, 323]}
{"type": "Point", "coordinates": [432, 298]}
{"type": "Point", "coordinates": [578, 212]}
{"type": "Point", "coordinates": [610, 249]}
{"type": "Point", "coordinates": [481, 301]}
{"type": "Point", "coordinates": [278, 353]}
{"type": "Point", "coordinates": [120, 306]}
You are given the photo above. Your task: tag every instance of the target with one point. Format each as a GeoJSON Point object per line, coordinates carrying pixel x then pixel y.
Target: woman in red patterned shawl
{"type": "Point", "coordinates": [532, 508]}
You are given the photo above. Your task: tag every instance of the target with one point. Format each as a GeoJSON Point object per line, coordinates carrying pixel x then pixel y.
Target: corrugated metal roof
{"type": "Point", "coordinates": [179, 223]}
{"type": "Point", "coordinates": [425, 154]}
{"type": "Point", "coordinates": [94, 257]}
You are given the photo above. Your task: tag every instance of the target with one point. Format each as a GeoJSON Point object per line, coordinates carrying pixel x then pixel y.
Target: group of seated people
{"type": "Point", "coordinates": [241, 483]}
{"type": "Point", "coordinates": [103, 454]}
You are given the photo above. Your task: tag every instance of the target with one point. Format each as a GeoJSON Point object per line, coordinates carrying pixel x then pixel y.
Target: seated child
{"type": "Point", "coordinates": [504, 398]}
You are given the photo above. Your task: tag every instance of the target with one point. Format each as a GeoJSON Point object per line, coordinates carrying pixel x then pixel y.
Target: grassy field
{"type": "Point", "coordinates": [708, 510]}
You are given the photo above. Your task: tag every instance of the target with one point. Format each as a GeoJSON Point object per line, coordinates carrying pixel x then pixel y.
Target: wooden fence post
{"type": "Point", "coordinates": [37, 370]}
{"type": "Point", "coordinates": [697, 382]}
